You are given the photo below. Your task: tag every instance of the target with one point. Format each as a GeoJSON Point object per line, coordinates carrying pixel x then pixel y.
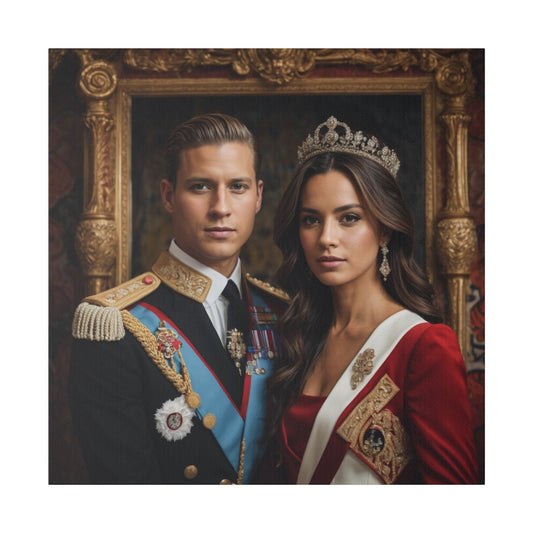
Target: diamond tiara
{"type": "Point", "coordinates": [358, 143]}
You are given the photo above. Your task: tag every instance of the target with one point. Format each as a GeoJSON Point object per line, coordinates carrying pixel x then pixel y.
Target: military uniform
{"type": "Point", "coordinates": [154, 395]}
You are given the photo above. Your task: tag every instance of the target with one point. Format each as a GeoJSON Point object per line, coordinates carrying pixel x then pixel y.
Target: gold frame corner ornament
{"type": "Point", "coordinates": [109, 80]}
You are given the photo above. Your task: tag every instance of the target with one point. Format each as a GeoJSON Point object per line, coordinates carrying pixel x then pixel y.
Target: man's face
{"type": "Point", "coordinates": [214, 203]}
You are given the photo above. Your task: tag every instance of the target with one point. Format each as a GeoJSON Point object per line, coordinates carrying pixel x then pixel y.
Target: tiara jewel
{"type": "Point", "coordinates": [358, 143]}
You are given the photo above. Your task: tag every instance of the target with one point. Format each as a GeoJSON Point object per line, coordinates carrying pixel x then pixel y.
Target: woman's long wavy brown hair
{"type": "Point", "coordinates": [304, 327]}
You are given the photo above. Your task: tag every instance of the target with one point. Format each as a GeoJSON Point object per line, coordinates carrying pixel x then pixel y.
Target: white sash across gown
{"type": "Point", "coordinates": [382, 340]}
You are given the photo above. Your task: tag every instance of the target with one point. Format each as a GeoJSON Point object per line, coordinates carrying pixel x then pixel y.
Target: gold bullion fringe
{"type": "Point", "coordinates": [97, 323]}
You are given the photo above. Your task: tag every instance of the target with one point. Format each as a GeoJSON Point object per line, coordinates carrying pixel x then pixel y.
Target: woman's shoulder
{"type": "Point", "coordinates": [434, 341]}
{"type": "Point", "coordinates": [438, 332]}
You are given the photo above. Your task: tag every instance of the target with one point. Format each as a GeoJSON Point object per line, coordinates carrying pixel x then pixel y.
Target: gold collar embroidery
{"type": "Point", "coordinates": [182, 278]}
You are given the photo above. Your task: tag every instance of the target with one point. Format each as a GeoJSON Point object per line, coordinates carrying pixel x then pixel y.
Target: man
{"type": "Point", "coordinates": [168, 372]}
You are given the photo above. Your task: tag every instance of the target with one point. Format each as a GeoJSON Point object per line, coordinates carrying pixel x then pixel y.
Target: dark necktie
{"type": "Point", "coordinates": [237, 319]}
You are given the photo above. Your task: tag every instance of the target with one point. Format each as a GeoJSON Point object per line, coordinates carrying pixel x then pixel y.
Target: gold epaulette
{"type": "Point", "coordinates": [263, 285]}
{"type": "Point", "coordinates": [98, 317]}
{"type": "Point", "coordinates": [127, 293]}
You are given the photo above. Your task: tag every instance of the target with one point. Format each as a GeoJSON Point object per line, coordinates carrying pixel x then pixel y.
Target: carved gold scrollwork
{"type": "Point", "coordinates": [177, 61]}
{"type": "Point", "coordinates": [100, 190]}
{"type": "Point", "coordinates": [456, 242]}
{"type": "Point", "coordinates": [95, 243]}
{"type": "Point", "coordinates": [454, 75]}
{"type": "Point", "coordinates": [162, 60]}
{"type": "Point", "coordinates": [377, 61]}
{"type": "Point", "coordinates": [457, 201]}
{"type": "Point", "coordinates": [282, 65]}
{"type": "Point", "coordinates": [456, 245]}
{"type": "Point", "coordinates": [96, 237]}
{"type": "Point", "coordinates": [456, 236]}
{"type": "Point", "coordinates": [98, 80]}
{"type": "Point", "coordinates": [278, 66]}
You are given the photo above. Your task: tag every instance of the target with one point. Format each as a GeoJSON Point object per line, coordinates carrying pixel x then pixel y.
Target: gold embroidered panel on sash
{"type": "Point", "coordinates": [376, 434]}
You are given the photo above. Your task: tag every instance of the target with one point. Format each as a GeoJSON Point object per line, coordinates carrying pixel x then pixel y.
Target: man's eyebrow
{"type": "Point", "coordinates": [242, 178]}
{"type": "Point", "coordinates": [203, 179]}
{"type": "Point", "coordinates": [198, 178]}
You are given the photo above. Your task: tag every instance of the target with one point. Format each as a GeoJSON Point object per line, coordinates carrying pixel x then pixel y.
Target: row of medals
{"type": "Point", "coordinates": [237, 350]}
{"type": "Point", "coordinates": [166, 339]}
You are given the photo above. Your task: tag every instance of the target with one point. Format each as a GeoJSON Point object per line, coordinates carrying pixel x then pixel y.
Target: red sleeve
{"type": "Point", "coordinates": [438, 411]}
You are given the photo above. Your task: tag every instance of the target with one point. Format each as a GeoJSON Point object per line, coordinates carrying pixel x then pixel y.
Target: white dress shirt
{"type": "Point", "coordinates": [215, 304]}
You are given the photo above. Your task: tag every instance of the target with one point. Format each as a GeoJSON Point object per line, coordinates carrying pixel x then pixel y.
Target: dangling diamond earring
{"type": "Point", "coordinates": [384, 268]}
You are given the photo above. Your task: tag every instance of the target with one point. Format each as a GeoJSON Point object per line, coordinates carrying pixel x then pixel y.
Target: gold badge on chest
{"type": "Point", "coordinates": [236, 347]}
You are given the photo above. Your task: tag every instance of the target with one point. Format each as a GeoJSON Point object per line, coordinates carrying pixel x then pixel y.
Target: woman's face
{"type": "Point", "coordinates": [339, 237]}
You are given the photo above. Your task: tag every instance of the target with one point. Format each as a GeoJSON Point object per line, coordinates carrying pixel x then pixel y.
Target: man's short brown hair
{"type": "Point", "coordinates": [210, 128]}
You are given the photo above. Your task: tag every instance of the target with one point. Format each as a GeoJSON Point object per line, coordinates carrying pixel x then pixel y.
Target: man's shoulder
{"type": "Point", "coordinates": [267, 289]}
{"type": "Point", "coordinates": [99, 317]}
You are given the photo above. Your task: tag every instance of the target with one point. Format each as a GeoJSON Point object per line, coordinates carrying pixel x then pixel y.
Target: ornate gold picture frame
{"type": "Point", "coordinates": [110, 80]}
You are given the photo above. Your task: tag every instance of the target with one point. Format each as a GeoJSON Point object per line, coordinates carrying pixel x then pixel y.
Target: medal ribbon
{"type": "Point", "coordinates": [255, 411]}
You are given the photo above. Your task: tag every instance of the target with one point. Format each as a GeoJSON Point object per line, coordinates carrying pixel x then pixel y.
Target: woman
{"type": "Point", "coordinates": [372, 388]}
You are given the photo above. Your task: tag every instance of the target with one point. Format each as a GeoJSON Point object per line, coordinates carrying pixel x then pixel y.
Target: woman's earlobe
{"type": "Point", "coordinates": [385, 237]}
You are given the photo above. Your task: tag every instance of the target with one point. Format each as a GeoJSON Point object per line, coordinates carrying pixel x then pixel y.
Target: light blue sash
{"type": "Point", "coordinates": [230, 427]}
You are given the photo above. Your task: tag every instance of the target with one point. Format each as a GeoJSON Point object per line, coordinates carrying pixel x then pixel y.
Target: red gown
{"type": "Point", "coordinates": [407, 422]}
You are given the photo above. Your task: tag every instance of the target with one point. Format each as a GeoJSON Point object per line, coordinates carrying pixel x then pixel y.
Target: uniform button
{"type": "Point", "coordinates": [209, 421]}
{"type": "Point", "coordinates": [148, 280]}
{"type": "Point", "coordinates": [225, 482]}
{"type": "Point", "coordinates": [193, 400]}
{"type": "Point", "coordinates": [190, 472]}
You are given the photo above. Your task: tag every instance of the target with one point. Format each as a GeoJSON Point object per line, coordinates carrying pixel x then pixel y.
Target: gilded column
{"type": "Point", "coordinates": [456, 232]}
{"type": "Point", "coordinates": [96, 237]}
